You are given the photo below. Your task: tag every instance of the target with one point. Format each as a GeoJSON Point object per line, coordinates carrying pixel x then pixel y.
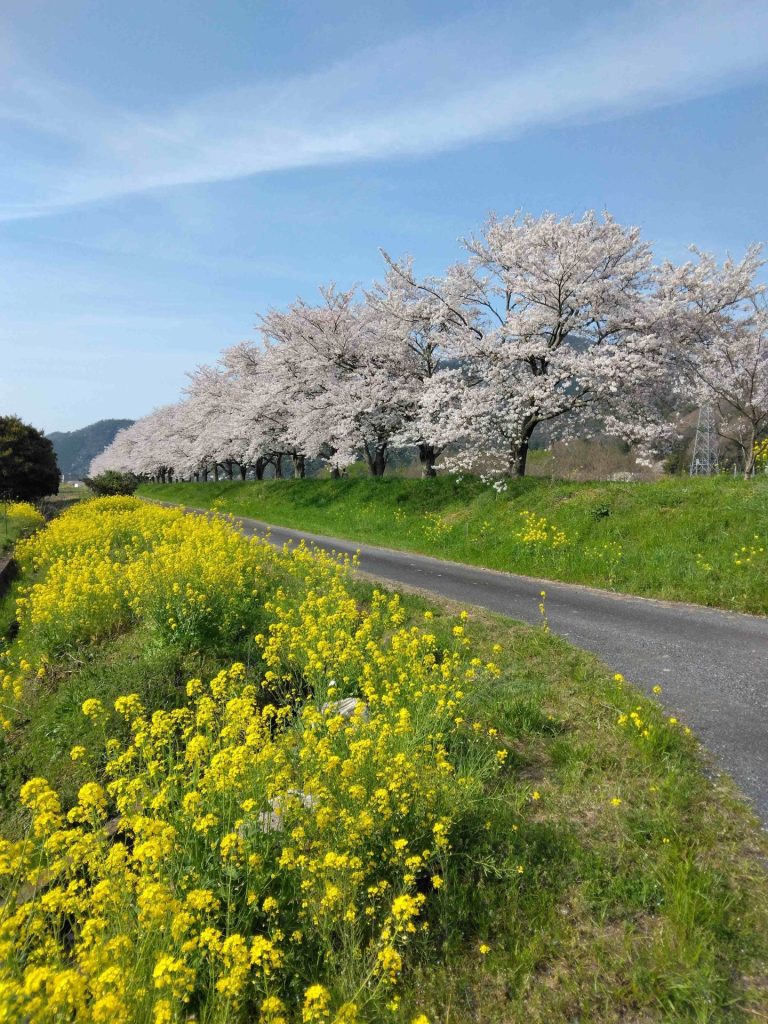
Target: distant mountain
{"type": "Point", "coordinates": [76, 448]}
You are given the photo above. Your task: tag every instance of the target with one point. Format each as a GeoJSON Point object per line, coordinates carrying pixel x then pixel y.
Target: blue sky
{"type": "Point", "coordinates": [171, 169]}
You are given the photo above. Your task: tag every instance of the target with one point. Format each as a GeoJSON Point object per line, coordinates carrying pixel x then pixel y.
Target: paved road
{"type": "Point", "coordinates": [712, 665]}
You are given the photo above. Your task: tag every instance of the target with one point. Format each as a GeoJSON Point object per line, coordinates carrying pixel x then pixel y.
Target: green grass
{"type": "Point", "coordinates": [652, 910]}
{"type": "Point", "coordinates": [638, 911]}
{"type": "Point", "coordinates": [40, 741]}
{"type": "Point", "coordinates": [11, 529]}
{"type": "Point", "coordinates": [67, 495]}
{"type": "Point", "coordinates": [703, 540]}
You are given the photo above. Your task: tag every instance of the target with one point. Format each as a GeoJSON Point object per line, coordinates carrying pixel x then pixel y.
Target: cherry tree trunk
{"type": "Point", "coordinates": [299, 467]}
{"type": "Point", "coordinates": [243, 470]}
{"type": "Point", "coordinates": [279, 467]}
{"type": "Point", "coordinates": [216, 472]}
{"type": "Point", "coordinates": [518, 459]}
{"type": "Point", "coordinates": [518, 456]}
{"type": "Point", "coordinates": [427, 458]}
{"type": "Point", "coordinates": [377, 462]}
{"type": "Point", "coordinates": [259, 468]}
{"type": "Point", "coordinates": [335, 473]}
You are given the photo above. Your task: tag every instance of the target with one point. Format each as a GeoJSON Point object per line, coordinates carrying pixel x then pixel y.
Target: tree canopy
{"type": "Point", "coordinates": [28, 467]}
{"type": "Point", "coordinates": [558, 323]}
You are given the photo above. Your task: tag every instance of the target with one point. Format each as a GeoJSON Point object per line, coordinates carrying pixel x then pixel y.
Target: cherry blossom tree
{"type": "Point", "coordinates": [716, 318]}
{"type": "Point", "coordinates": [216, 440]}
{"type": "Point", "coordinates": [260, 412]}
{"type": "Point", "coordinates": [156, 446]}
{"type": "Point", "coordinates": [329, 365]}
{"type": "Point", "coordinates": [411, 324]}
{"type": "Point", "coordinates": [307, 349]}
{"type": "Point", "coordinates": [549, 321]}
{"type": "Point", "coordinates": [228, 428]}
{"type": "Point", "coordinates": [555, 321]}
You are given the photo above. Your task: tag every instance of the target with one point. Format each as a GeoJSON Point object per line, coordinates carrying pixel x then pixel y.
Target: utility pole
{"type": "Point", "coordinates": [705, 456]}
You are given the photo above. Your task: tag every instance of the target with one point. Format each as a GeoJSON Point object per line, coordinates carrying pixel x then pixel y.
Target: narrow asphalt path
{"type": "Point", "coordinates": [712, 665]}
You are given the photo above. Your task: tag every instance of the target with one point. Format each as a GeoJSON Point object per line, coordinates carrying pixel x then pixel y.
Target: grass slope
{"type": "Point", "coordinates": [12, 528]}
{"type": "Point", "coordinates": [9, 534]}
{"type": "Point", "coordinates": [692, 539]}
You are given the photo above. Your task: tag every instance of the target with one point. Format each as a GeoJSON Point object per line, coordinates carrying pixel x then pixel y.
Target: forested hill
{"type": "Point", "coordinates": [76, 448]}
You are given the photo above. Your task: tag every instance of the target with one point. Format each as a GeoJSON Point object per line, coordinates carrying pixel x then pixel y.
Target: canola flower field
{"type": "Point", "coordinates": [260, 836]}
{"type": "Point", "coordinates": [343, 822]}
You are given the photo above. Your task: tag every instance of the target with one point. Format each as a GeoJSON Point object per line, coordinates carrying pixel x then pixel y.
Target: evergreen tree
{"type": "Point", "coordinates": [28, 467]}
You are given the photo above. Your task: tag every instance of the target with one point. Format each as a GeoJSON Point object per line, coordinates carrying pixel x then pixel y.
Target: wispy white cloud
{"type": "Point", "coordinates": [458, 84]}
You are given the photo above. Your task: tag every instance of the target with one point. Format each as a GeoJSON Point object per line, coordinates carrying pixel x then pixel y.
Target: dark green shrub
{"type": "Point", "coordinates": [112, 482]}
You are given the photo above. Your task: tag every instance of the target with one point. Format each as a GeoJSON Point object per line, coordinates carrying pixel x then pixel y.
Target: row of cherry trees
{"type": "Point", "coordinates": [545, 321]}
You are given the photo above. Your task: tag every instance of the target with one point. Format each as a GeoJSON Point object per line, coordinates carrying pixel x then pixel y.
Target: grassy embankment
{"type": "Point", "coordinates": [597, 875]}
{"type": "Point", "coordinates": [703, 540]}
{"type": "Point", "coordinates": [17, 519]}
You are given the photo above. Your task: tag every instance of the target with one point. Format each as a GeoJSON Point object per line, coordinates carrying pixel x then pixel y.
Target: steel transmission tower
{"type": "Point", "coordinates": [704, 461]}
